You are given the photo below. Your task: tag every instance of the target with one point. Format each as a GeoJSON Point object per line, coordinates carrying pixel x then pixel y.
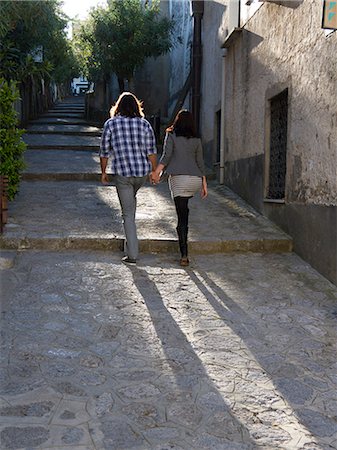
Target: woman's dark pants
{"type": "Point", "coordinates": [181, 204]}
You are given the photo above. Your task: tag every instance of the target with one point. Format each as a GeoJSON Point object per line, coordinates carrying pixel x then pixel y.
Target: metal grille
{"type": "Point", "coordinates": [278, 146]}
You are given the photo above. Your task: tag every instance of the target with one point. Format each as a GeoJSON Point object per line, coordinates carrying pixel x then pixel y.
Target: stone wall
{"type": "Point", "coordinates": [160, 81]}
{"type": "Point", "coordinates": [284, 47]}
{"type": "Point", "coordinates": [212, 39]}
{"type": "Point", "coordinates": [151, 80]}
{"type": "Point", "coordinates": [180, 55]}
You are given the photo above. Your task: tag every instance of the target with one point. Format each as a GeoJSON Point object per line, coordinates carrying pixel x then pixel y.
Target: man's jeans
{"type": "Point", "coordinates": [127, 188]}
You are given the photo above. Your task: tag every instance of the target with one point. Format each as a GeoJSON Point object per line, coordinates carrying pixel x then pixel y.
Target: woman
{"type": "Point", "coordinates": [183, 160]}
{"type": "Point", "coordinates": [128, 139]}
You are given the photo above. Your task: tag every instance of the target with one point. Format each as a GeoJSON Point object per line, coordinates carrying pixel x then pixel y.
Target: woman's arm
{"type": "Point", "coordinates": [200, 158]}
{"type": "Point", "coordinates": [167, 149]}
{"type": "Point", "coordinates": [204, 191]}
{"type": "Point", "coordinates": [165, 158]}
{"type": "Point", "coordinates": [200, 163]}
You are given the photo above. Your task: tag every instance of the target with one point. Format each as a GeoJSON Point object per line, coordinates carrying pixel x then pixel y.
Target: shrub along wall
{"type": "Point", "coordinates": [12, 146]}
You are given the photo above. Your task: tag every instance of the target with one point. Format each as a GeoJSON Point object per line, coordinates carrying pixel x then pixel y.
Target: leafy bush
{"type": "Point", "coordinates": [27, 26]}
{"type": "Point", "coordinates": [119, 37]}
{"type": "Point", "coordinates": [12, 146]}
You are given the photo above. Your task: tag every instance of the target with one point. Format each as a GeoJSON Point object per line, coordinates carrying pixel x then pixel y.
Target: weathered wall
{"type": "Point", "coordinates": [160, 81]}
{"type": "Point", "coordinates": [36, 97]}
{"type": "Point", "coordinates": [212, 39]}
{"type": "Point", "coordinates": [151, 80]}
{"type": "Point", "coordinates": [284, 47]}
{"type": "Point", "coordinates": [180, 55]}
{"type": "Point", "coordinates": [314, 232]}
{"type": "Point", "coordinates": [151, 85]}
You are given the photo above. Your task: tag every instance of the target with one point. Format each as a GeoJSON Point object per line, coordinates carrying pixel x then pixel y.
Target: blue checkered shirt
{"type": "Point", "coordinates": [128, 141]}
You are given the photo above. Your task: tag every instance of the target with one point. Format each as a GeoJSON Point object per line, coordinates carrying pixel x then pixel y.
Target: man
{"type": "Point", "coordinates": [128, 139]}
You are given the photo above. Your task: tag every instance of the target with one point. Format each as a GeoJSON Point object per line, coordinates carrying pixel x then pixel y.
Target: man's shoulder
{"type": "Point", "coordinates": [109, 121]}
{"type": "Point", "coordinates": [115, 121]}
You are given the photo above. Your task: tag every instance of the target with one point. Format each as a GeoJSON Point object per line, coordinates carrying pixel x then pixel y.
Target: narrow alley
{"type": "Point", "coordinates": [237, 351]}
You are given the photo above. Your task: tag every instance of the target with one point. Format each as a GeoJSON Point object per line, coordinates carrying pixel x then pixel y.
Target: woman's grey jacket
{"type": "Point", "coordinates": [182, 156]}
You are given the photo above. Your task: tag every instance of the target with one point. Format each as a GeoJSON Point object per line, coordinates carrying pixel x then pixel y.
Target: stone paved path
{"type": "Point", "coordinates": [236, 352]}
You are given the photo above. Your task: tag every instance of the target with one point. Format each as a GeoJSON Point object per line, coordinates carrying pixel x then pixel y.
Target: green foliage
{"type": "Point", "coordinates": [11, 144]}
{"type": "Point", "coordinates": [120, 37]}
{"type": "Point", "coordinates": [27, 25]}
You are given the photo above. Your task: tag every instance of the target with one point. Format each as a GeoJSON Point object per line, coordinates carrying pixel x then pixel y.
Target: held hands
{"type": "Point", "coordinates": [156, 174]}
{"type": "Point", "coordinates": [154, 177]}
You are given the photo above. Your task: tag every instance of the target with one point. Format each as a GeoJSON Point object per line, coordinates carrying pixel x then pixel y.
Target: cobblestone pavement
{"type": "Point", "coordinates": [235, 352]}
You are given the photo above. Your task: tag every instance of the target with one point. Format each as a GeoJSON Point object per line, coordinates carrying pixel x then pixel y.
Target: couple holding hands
{"type": "Point", "coordinates": [128, 140]}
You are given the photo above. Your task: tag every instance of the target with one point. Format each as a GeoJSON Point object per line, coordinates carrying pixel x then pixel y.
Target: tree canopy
{"type": "Point", "coordinates": [27, 26]}
{"type": "Point", "coordinates": [118, 38]}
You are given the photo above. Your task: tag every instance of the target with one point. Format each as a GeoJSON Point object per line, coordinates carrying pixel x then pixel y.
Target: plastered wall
{"type": "Point", "coordinates": [212, 39]}
{"type": "Point", "coordinates": [180, 55]}
{"type": "Point", "coordinates": [286, 47]}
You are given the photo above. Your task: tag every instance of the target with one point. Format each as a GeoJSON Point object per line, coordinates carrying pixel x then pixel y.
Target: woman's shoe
{"type": "Point", "coordinates": [184, 261]}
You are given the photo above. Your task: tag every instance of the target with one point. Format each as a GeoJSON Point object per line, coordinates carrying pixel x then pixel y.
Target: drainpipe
{"type": "Point", "coordinates": [197, 11]}
{"type": "Point", "coordinates": [222, 118]}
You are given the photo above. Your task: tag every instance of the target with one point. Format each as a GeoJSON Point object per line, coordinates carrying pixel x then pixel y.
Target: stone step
{"type": "Point", "coordinates": [67, 111]}
{"type": "Point", "coordinates": [66, 165]}
{"type": "Point", "coordinates": [79, 132]}
{"type": "Point", "coordinates": [71, 176]}
{"type": "Point", "coordinates": [61, 106]}
{"type": "Point", "coordinates": [86, 215]}
{"type": "Point", "coordinates": [63, 176]}
{"type": "Point", "coordinates": [68, 105]}
{"type": "Point", "coordinates": [146, 245]}
{"type": "Point", "coordinates": [57, 163]}
{"type": "Point", "coordinates": [58, 121]}
{"type": "Point", "coordinates": [63, 114]}
{"type": "Point", "coordinates": [67, 108]}
{"type": "Point", "coordinates": [84, 147]}
{"type": "Point", "coordinates": [59, 141]}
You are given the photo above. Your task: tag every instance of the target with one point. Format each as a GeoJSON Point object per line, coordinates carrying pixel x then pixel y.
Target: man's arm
{"type": "Point", "coordinates": [104, 152]}
{"type": "Point", "coordinates": [153, 161]}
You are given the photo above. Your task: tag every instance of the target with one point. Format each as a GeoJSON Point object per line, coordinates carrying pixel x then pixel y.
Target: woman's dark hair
{"type": "Point", "coordinates": [183, 125]}
{"type": "Point", "coordinates": [127, 105]}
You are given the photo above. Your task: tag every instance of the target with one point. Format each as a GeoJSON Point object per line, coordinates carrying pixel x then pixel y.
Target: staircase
{"type": "Point", "coordinates": [63, 205]}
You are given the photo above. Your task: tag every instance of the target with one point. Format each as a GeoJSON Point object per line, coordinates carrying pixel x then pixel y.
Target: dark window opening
{"type": "Point", "coordinates": [278, 146]}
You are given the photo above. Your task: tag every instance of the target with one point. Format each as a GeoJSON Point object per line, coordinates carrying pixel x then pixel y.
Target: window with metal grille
{"type": "Point", "coordinates": [278, 146]}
